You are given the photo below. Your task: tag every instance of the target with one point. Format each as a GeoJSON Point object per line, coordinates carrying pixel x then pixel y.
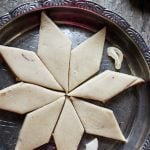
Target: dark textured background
{"type": "Point", "coordinates": [131, 10]}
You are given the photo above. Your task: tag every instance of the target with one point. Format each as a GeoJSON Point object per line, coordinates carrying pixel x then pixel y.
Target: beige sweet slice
{"type": "Point", "coordinates": [105, 86]}
{"type": "Point", "coordinates": [54, 50]}
{"type": "Point", "coordinates": [28, 67]}
{"type": "Point", "coordinates": [39, 125]}
{"type": "Point", "coordinates": [69, 130]}
{"type": "Point", "coordinates": [98, 120]}
{"type": "Point", "coordinates": [86, 58]}
{"type": "Point", "coordinates": [23, 97]}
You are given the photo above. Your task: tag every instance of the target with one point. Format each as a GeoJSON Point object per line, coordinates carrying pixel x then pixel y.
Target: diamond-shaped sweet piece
{"type": "Point", "coordinates": [28, 67]}
{"type": "Point", "coordinates": [86, 58]}
{"type": "Point", "coordinates": [38, 126]}
{"type": "Point", "coordinates": [105, 86]}
{"type": "Point", "coordinates": [54, 50]}
{"type": "Point", "coordinates": [98, 120]}
{"type": "Point", "coordinates": [69, 130]}
{"type": "Point", "coordinates": [23, 97]}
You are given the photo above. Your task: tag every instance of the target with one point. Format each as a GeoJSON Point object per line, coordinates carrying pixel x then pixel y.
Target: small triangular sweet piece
{"type": "Point", "coordinates": [39, 125]}
{"type": "Point", "coordinates": [105, 86]}
{"type": "Point", "coordinates": [54, 50]}
{"type": "Point", "coordinates": [86, 58]}
{"type": "Point", "coordinates": [98, 120]}
{"type": "Point", "coordinates": [23, 97]}
{"type": "Point", "coordinates": [69, 130]}
{"type": "Point", "coordinates": [28, 67]}
{"type": "Point", "coordinates": [93, 145]}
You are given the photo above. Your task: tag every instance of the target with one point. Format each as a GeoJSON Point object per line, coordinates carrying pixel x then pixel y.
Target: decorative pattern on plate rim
{"type": "Point", "coordinates": [146, 145]}
{"type": "Point", "coordinates": [90, 6]}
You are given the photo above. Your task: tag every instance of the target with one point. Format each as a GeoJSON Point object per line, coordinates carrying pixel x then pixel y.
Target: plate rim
{"type": "Point", "coordinates": [86, 5]}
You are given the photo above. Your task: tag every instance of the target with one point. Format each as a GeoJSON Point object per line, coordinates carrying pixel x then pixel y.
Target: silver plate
{"type": "Point", "coordinates": [79, 20]}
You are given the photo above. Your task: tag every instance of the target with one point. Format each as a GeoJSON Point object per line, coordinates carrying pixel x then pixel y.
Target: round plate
{"type": "Point", "coordinates": [79, 20]}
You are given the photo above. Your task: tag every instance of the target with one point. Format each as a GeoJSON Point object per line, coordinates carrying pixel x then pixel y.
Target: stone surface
{"type": "Point", "coordinates": [130, 11]}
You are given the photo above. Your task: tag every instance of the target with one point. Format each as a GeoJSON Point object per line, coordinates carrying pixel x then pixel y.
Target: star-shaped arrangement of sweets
{"type": "Point", "coordinates": [54, 85]}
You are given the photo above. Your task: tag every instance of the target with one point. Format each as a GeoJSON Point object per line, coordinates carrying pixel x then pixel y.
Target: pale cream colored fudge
{"type": "Point", "coordinates": [27, 66]}
{"type": "Point", "coordinates": [24, 97]}
{"type": "Point", "coordinates": [98, 120]}
{"type": "Point", "coordinates": [105, 86]}
{"type": "Point", "coordinates": [39, 125]}
{"type": "Point", "coordinates": [86, 58]}
{"type": "Point", "coordinates": [69, 130]}
{"type": "Point", "coordinates": [54, 50]}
